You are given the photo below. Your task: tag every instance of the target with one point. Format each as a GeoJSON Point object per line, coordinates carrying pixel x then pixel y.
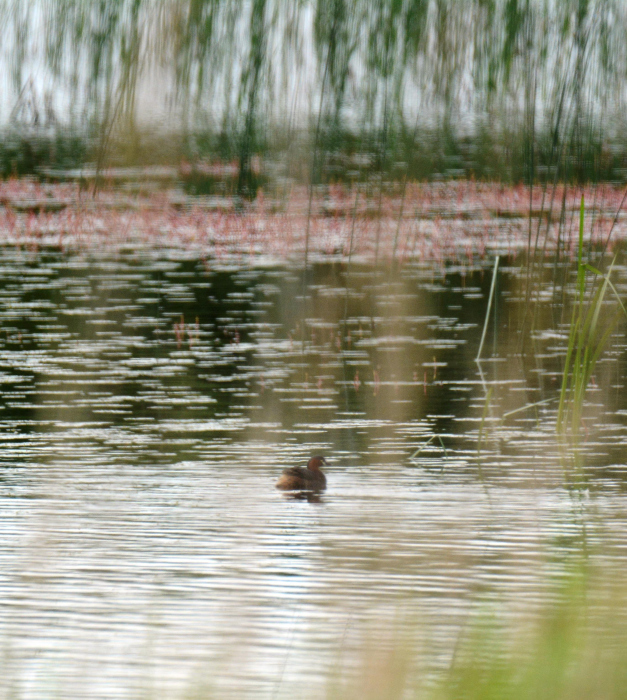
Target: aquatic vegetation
{"type": "Point", "coordinates": [441, 222]}
{"type": "Point", "coordinates": [589, 333]}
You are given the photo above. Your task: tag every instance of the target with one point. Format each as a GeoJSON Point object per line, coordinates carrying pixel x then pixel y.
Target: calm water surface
{"type": "Point", "coordinates": [150, 401]}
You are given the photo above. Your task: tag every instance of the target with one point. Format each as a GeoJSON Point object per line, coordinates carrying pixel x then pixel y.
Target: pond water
{"type": "Point", "coordinates": [150, 402]}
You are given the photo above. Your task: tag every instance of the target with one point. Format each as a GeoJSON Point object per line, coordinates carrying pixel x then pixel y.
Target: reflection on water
{"type": "Point", "coordinates": [148, 407]}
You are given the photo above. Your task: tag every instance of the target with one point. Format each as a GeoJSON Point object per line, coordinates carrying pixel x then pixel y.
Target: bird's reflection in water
{"type": "Point", "coordinates": [310, 496]}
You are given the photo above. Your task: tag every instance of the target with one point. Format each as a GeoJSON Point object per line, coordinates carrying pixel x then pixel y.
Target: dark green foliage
{"type": "Point", "coordinates": [24, 155]}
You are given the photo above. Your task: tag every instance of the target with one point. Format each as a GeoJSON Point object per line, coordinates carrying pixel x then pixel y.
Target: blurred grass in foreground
{"type": "Point", "coordinates": [574, 648]}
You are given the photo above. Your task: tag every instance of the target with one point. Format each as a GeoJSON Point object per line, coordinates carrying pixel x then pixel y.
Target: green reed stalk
{"type": "Point", "coordinates": [587, 339]}
{"type": "Point", "coordinates": [574, 337]}
{"type": "Point", "coordinates": [487, 313]}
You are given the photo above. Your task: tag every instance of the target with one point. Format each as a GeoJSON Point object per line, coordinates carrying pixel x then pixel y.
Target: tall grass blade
{"type": "Point", "coordinates": [487, 313]}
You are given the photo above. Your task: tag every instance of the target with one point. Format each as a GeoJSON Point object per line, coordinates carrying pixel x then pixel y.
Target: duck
{"type": "Point", "coordinates": [310, 478]}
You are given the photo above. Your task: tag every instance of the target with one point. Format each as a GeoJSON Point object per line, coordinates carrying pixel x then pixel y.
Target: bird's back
{"type": "Point", "coordinates": [300, 478]}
